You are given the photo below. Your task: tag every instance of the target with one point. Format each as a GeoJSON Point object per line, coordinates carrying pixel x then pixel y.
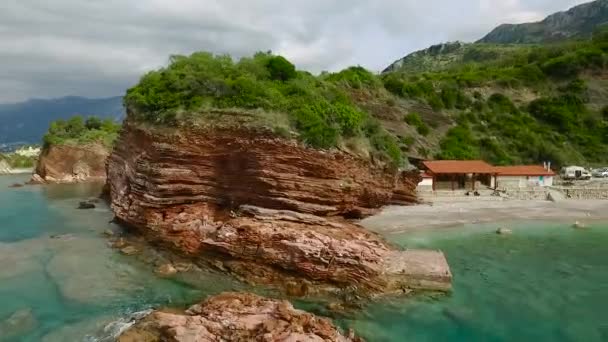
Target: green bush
{"type": "Point", "coordinates": [78, 131]}
{"type": "Point", "coordinates": [280, 68]}
{"type": "Point", "coordinates": [320, 108]}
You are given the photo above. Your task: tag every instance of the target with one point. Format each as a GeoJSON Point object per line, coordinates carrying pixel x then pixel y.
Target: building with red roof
{"type": "Point", "coordinates": [477, 174]}
{"type": "Point", "coordinates": [522, 176]}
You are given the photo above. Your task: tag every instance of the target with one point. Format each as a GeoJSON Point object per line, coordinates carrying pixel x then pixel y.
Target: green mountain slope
{"type": "Point", "coordinates": [577, 22]}
{"type": "Point", "coordinates": [512, 104]}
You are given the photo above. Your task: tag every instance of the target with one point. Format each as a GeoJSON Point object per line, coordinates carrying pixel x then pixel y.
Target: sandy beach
{"type": "Point", "coordinates": [395, 219]}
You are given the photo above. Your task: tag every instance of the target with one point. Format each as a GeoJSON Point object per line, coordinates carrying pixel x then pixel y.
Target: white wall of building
{"type": "Point", "coordinates": [426, 182]}
{"type": "Point", "coordinates": [505, 182]}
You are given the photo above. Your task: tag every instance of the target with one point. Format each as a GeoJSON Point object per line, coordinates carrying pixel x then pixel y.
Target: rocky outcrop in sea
{"type": "Point", "coordinates": [71, 164]}
{"type": "Point", "coordinates": [267, 210]}
{"type": "Point", "coordinates": [235, 317]}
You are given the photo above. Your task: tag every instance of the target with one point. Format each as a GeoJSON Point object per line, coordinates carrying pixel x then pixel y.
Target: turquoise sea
{"type": "Point", "coordinates": [59, 281]}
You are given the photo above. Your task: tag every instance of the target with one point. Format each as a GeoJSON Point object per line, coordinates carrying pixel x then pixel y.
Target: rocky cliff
{"type": "Point", "coordinates": [71, 164]}
{"type": "Point", "coordinates": [577, 22]}
{"type": "Point", "coordinates": [235, 317]}
{"type": "Point", "coordinates": [266, 209]}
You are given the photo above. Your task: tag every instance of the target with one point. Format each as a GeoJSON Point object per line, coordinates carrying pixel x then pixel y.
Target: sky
{"type": "Point", "coordinates": [98, 48]}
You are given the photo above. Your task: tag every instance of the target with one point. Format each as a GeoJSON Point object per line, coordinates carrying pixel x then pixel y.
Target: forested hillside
{"type": "Point", "coordinates": [512, 103]}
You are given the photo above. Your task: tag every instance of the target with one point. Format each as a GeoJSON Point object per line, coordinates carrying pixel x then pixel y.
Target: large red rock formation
{"type": "Point", "coordinates": [71, 164]}
{"type": "Point", "coordinates": [266, 209]}
{"type": "Point", "coordinates": [235, 317]}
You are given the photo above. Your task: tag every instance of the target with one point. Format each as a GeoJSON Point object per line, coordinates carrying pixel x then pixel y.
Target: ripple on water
{"type": "Point", "coordinates": [546, 282]}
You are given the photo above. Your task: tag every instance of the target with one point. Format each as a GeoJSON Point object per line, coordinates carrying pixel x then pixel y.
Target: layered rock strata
{"type": "Point", "coordinates": [71, 164]}
{"type": "Point", "coordinates": [265, 209]}
{"type": "Point", "coordinates": [235, 317]}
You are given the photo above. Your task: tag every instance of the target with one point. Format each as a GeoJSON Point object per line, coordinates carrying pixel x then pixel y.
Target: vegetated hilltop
{"type": "Point", "coordinates": [515, 104]}
{"type": "Point", "coordinates": [27, 122]}
{"type": "Point", "coordinates": [323, 112]}
{"type": "Point", "coordinates": [577, 22]}
{"type": "Point", "coordinates": [78, 131]}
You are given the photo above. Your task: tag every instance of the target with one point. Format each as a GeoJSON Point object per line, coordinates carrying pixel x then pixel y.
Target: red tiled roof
{"type": "Point", "coordinates": [425, 175]}
{"type": "Point", "coordinates": [458, 166]}
{"type": "Point", "coordinates": [523, 170]}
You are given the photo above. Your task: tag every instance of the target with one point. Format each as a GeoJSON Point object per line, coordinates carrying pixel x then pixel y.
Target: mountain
{"type": "Point", "coordinates": [446, 55]}
{"type": "Point", "coordinates": [577, 22]}
{"type": "Point", "coordinates": [26, 122]}
{"type": "Point", "coordinates": [508, 102]}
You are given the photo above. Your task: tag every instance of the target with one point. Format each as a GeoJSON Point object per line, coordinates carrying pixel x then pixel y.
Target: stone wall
{"type": "Point", "coordinates": [585, 193]}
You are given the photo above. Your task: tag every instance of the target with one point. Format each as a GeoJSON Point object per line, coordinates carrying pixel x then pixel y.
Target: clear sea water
{"type": "Point", "coordinates": [546, 282]}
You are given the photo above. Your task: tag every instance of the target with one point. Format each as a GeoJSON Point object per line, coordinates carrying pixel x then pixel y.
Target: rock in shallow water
{"type": "Point", "coordinates": [87, 277]}
{"type": "Point", "coordinates": [19, 323]}
{"type": "Point", "coordinates": [504, 231]}
{"type": "Point", "coordinates": [235, 317]}
{"type": "Point", "coordinates": [86, 205]}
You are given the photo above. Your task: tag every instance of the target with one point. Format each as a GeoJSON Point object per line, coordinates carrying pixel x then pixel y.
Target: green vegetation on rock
{"type": "Point", "coordinates": [319, 109]}
{"type": "Point", "coordinates": [77, 131]}
{"type": "Point", "coordinates": [16, 161]}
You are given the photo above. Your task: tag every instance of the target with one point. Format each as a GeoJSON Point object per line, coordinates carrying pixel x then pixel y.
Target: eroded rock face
{"type": "Point", "coordinates": [235, 317]}
{"type": "Point", "coordinates": [265, 209]}
{"type": "Point", "coordinates": [71, 164]}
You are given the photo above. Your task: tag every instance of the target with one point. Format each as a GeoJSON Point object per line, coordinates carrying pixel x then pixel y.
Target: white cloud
{"type": "Point", "coordinates": [99, 48]}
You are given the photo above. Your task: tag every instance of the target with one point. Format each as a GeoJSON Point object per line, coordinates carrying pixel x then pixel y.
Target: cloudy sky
{"type": "Point", "coordinates": [98, 48]}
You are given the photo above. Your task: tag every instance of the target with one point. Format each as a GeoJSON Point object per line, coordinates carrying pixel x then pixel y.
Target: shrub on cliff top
{"type": "Point", "coordinates": [318, 108]}
{"type": "Point", "coordinates": [76, 130]}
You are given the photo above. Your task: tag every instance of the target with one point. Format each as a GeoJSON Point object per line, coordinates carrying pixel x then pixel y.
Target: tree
{"type": "Point", "coordinates": [93, 122]}
{"type": "Point", "coordinates": [281, 69]}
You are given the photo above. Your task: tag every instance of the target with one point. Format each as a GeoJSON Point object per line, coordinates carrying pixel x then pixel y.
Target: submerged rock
{"type": "Point", "coordinates": [90, 277]}
{"type": "Point", "coordinates": [16, 185]}
{"type": "Point", "coordinates": [86, 205]}
{"type": "Point", "coordinates": [579, 225]}
{"type": "Point", "coordinates": [235, 317]}
{"type": "Point", "coordinates": [504, 231]}
{"type": "Point", "coordinates": [19, 323]}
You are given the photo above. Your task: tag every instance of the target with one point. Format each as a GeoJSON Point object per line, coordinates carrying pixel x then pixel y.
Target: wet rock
{"type": "Point", "coordinates": [504, 231]}
{"type": "Point", "coordinates": [165, 270]}
{"type": "Point", "coordinates": [129, 250]}
{"type": "Point", "coordinates": [37, 179]}
{"type": "Point", "coordinates": [119, 243]}
{"type": "Point", "coordinates": [86, 205]}
{"type": "Point", "coordinates": [336, 307]}
{"type": "Point", "coordinates": [108, 232]}
{"type": "Point", "coordinates": [19, 323]}
{"type": "Point", "coordinates": [16, 185]}
{"type": "Point", "coordinates": [460, 316]}
{"type": "Point", "coordinates": [236, 317]}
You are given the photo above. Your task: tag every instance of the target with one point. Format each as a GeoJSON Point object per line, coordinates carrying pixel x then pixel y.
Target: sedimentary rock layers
{"type": "Point", "coordinates": [235, 317]}
{"type": "Point", "coordinates": [266, 209]}
{"type": "Point", "coordinates": [71, 164]}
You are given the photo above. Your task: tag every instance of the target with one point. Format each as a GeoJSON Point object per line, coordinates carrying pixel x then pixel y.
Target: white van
{"type": "Point", "coordinates": [575, 172]}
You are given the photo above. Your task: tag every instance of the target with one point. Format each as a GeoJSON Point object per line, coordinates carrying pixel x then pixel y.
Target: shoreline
{"type": "Point", "coordinates": [13, 172]}
{"type": "Point", "coordinates": [398, 220]}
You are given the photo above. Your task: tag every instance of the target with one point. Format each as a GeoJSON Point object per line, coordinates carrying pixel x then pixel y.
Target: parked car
{"type": "Point", "coordinates": [575, 173]}
{"type": "Point", "coordinates": [600, 173]}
